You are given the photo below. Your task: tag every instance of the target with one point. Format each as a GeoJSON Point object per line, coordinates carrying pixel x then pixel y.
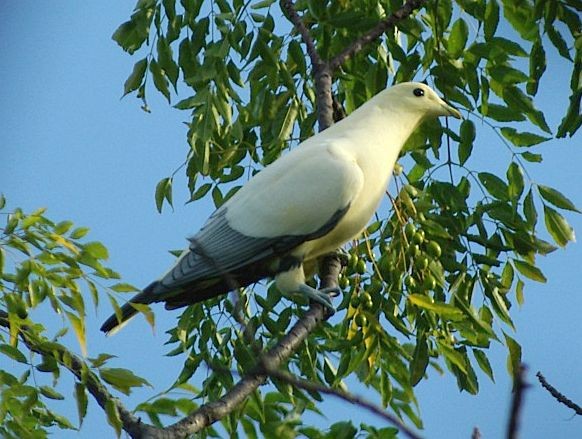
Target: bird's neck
{"type": "Point", "coordinates": [379, 133]}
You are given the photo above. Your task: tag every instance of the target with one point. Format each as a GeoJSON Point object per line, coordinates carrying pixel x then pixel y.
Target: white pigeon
{"type": "Point", "coordinates": [304, 205]}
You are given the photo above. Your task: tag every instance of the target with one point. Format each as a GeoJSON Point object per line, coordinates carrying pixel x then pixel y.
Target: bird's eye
{"type": "Point", "coordinates": [418, 92]}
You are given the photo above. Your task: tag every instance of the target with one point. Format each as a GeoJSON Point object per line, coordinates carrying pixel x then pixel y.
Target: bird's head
{"type": "Point", "coordinates": [421, 99]}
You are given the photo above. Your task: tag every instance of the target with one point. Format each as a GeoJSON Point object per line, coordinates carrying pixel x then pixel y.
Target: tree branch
{"type": "Point", "coordinates": [131, 423]}
{"type": "Point", "coordinates": [558, 395]}
{"type": "Point", "coordinates": [517, 403]}
{"type": "Point", "coordinates": [311, 386]}
{"type": "Point", "coordinates": [404, 12]}
{"type": "Point", "coordinates": [289, 8]}
{"type": "Point", "coordinates": [211, 412]}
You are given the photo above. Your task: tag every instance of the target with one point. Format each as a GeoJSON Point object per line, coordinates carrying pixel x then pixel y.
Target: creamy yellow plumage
{"type": "Point", "coordinates": [307, 203]}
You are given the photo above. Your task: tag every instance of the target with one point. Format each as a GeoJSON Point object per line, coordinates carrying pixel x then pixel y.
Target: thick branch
{"type": "Point", "coordinates": [558, 395]}
{"type": "Point", "coordinates": [311, 386]}
{"type": "Point", "coordinates": [517, 403]}
{"type": "Point", "coordinates": [404, 12]}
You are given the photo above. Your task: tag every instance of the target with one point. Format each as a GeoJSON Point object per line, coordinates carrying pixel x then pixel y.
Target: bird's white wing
{"type": "Point", "coordinates": [300, 197]}
{"type": "Point", "coordinates": [298, 194]}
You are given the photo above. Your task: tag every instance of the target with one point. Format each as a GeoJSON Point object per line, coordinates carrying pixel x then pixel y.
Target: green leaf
{"type": "Point", "coordinates": [163, 191]}
{"type": "Point", "coordinates": [122, 379]}
{"type": "Point", "coordinates": [201, 191]}
{"type": "Point", "coordinates": [124, 288]}
{"type": "Point", "coordinates": [79, 232]}
{"type": "Point", "coordinates": [537, 67]}
{"type": "Point", "coordinates": [501, 113]}
{"type": "Point", "coordinates": [515, 179]}
{"type": "Point", "coordinates": [531, 157]}
{"type": "Point", "coordinates": [558, 227]}
{"type": "Point", "coordinates": [483, 363]}
{"type": "Point", "coordinates": [522, 139]}
{"type": "Point", "coordinates": [50, 393]}
{"type": "Point", "coordinates": [262, 4]}
{"type": "Point", "coordinates": [520, 16]}
{"type": "Point", "coordinates": [166, 61]}
{"type": "Point", "coordinates": [419, 361]}
{"type": "Point", "coordinates": [444, 310]}
{"type": "Point", "coordinates": [558, 42]}
{"type": "Point", "coordinates": [100, 360]}
{"type": "Point", "coordinates": [530, 271]}
{"type": "Point", "coordinates": [458, 38]}
{"type": "Point", "coordinates": [507, 75]}
{"type": "Point", "coordinates": [160, 80]}
{"type": "Point", "coordinates": [514, 357]}
{"type": "Point", "coordinates": [556, 198]}
{"type": "Point", "coordinates": [529, 210]}
{"type": "Point", "coordinates": [78, 325]}
{"type": "Point", "coordinates": [133, 33]}
{"type": "Point", "coordinates": [135, 79]}
{"type": "Point", "coordinates": [96, 250]}
{"type": "Point", "coordinates": [508, 46]}
{"type": "Point", "coordinates": [113, 416]}
{"type": "Point", "coordinates": [12, 352]}
{"type": "Point", "coordinates": [491, 19]}
{"type": "Point", "coordinates": [494, 185]}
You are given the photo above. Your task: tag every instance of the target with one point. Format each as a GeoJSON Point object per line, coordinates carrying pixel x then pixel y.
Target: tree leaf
{"type": "Point", "coordinates": [494, 185]}
{"type": "Point", "coordinates": [13, 352]}
{"type": "Point", "coordinates": [514, 356]}
{"type": "Point", "coordinates": [160, 80]}
{"type": "Point", "coordinates": [122, 379]}
{"type": "Point", "coordinates": [113, 416]}
{"type": "Point", "coordinates": [419, 361]}
{"type": "Point", "coordinates": [444, 310]}
{"type": "Point", "coordinates": [555, 197]}
{"type": "Point", "coordinates": [558, 41]}
{"type": "Point", "coordinates": [96, 250]}
{"type": "Point", "coordinates": [50, 393]}
{"type": "Point", "coordinates": [522, 139]}
{"type": "Point", "coordinates": [483, 363]}
{"type": "Point", "coordinates": [163, 191]}
{"type": "Point", "coordinates": [530, 271]}
{"type": "Point", "coordinates": [135, 79]}
{"type": "Point", "coordinates": [558, 227]}
{"type": "Point", "coordinates": [491, 19]}
{"type": "Point", "coordinates": [529, 210]}
{"type": "Point", "coordinates": [515, 179]}
{"type": "Point", "coordinates": [458, 38]}
{"type": "Point", "coordinates": [82, 401]}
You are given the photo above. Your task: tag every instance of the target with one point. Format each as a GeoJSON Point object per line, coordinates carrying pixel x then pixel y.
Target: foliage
{"type": "Point", "coordinates": [47, 267]}
{"type": "Point", "coordinates": [434, 278]}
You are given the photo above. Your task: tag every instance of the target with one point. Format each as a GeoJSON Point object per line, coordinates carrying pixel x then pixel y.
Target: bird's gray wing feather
{"type": "Point", "coordinates": [217, 249]}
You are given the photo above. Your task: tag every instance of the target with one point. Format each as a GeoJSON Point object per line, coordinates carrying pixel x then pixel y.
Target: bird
{"type": "Point", "coordinates": [305, 204]}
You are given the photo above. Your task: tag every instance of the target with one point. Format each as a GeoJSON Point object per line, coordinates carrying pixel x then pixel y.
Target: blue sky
{"type": "Point", "coordinates": [69, 143]}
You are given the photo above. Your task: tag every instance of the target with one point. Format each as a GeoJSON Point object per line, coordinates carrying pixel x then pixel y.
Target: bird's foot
{"type": "Point", "coordinates": [320, 296]}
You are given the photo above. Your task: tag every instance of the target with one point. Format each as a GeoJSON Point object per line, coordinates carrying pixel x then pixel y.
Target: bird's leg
{"type": "Point", "coordinates": [319, 296]}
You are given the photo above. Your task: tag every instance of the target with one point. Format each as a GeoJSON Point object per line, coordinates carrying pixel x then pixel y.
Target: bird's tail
{"type": "Point", "coordinates": [113, 324]}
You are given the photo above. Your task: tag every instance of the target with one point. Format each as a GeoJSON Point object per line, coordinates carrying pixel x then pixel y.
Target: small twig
{"type": "Point", "coordinates": [404, 12]}
{"type": "Point", "coordinates": [311, 386]}
{"type": "Point", "coordinates": [517, 403]}
{"type": "Point", "coordinates": [558, 395]}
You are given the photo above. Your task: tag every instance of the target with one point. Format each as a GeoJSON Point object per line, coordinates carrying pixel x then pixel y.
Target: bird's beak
{"type": "Point", "coordinates": [451, 111]}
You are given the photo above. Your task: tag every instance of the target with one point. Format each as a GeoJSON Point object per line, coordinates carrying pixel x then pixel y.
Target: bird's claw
{"type": "Point", "coordinates": [320, 296]}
